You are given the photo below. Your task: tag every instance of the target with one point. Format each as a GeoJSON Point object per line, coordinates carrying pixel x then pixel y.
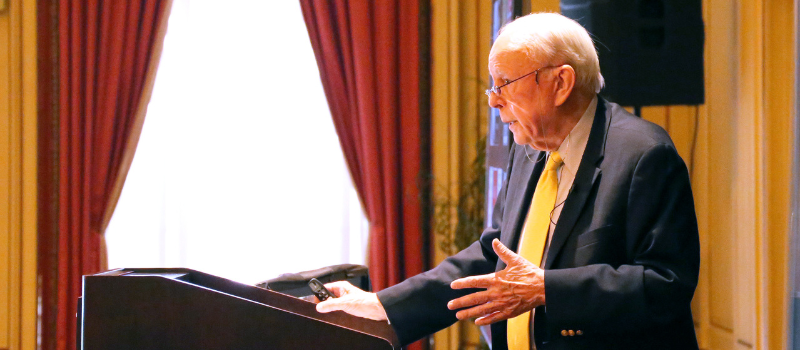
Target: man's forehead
{"type": "Point", "coordinates": [500, 45]}
{"type": "Point", "coordinates": [504, 58]}
{"type": "Point", "coordinates": [506, 55]}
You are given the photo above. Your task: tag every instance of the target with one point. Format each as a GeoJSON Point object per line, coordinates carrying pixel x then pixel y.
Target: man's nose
{"type": "Point", "coordinates": [495, 101]}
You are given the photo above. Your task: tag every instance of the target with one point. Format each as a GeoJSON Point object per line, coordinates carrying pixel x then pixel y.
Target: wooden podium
{"type": "Point", "coordinates": [186, 309]}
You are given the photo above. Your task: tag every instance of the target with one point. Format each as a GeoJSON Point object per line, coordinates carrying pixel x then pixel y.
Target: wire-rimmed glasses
{"type": "Point", "coordinates": [496, 89]}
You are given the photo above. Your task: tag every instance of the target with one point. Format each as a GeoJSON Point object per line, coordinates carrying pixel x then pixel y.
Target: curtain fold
{"type": "Point", "coordinates": [368, 53]}
{"type": "Point", "coordinates": [107, 56]}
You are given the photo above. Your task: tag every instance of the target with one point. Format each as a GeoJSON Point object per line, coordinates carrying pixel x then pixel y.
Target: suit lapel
{"type": "Point", "coordinates": [588, 173]}
{"type": "Point", "coordinates": [524, 177]}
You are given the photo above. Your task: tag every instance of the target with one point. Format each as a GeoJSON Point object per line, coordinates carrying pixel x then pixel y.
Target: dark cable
{"type": "Point", "coordinates": [694, 141]}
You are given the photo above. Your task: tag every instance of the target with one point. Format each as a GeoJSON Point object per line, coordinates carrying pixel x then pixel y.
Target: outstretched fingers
{"type": "Point", "coordinates": [470, 300]}
{"type": "Point", "coordinates": [492, 318]}
{"type": "Point", "coordinates": [479, 311]}
{"type": "Point", "coordinates": [482, 281]}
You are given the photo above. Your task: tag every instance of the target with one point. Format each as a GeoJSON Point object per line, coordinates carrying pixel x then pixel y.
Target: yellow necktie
{"type": "Point", "coordinates": [531, 244]}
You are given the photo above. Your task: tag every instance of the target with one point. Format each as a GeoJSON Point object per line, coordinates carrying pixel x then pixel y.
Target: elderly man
{"type": "Point", "coordinates": [597, 204]}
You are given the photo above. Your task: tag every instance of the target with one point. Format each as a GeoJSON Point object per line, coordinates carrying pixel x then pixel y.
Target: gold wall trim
{"type": "Point", "coordinates": [28, 301]}
{"type": "Point", "coordinates": [18, 111]}
{"type": "Point", "coordinates": [545, 6]}
{"type": "Point", "coordinates": [778, 133]}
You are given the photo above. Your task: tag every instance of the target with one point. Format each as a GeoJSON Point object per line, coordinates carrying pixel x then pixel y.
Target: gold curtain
{"type": "Point", "coordinates": [460, 43]}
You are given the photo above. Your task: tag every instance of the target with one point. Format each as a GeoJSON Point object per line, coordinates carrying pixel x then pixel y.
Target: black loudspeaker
{"type": "Point", "coordinates": [651, 51]}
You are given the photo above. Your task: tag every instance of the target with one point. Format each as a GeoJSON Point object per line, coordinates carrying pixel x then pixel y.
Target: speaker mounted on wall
{"type": "Point", "coordinates": [651, 51]}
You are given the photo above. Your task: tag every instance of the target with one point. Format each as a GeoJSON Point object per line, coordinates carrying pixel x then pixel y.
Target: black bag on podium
{"type": "Point", "coordinates": [297, 283]}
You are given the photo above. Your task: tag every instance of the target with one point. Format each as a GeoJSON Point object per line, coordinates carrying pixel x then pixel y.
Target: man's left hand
{"type": "Point", "coordinates": [516, 289]}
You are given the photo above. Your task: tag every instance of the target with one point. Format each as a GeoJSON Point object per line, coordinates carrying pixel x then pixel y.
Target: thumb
{"type": "Point", "coordinates": [332, 304]}
{"type": "Point", "coordinates": [504, 253]}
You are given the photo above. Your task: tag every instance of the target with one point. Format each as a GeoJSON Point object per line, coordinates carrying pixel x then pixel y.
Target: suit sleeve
{"type": "Point", "coordinates": [656, 284]}
{"type": "Point", "coordinates": [417, 306]}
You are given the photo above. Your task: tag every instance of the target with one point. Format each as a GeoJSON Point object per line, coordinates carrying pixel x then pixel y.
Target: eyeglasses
{"type": "Point", "coordinates": [496, 89]}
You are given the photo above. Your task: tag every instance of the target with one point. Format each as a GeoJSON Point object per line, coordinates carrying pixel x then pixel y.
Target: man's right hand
{"type": "Point", "coordinates": [353, 300]}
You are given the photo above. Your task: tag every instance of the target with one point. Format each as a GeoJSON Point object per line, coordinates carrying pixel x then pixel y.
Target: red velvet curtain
{"type": "Point", "coordinates": [102, 53]}
{"type": "Point", "coordinates": [368, 53]}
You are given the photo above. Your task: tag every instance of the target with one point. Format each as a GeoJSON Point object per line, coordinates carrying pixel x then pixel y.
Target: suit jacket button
{"type": "Point", "coordinates": [564, 333]}
{"type": "Point", "coordinates": [579, 332]}
{"type": "Point", "coordinates": [571, 333]}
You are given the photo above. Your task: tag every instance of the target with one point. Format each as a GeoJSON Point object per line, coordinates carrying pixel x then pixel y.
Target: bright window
{"type": "Point", "coordinates": [238, 171]}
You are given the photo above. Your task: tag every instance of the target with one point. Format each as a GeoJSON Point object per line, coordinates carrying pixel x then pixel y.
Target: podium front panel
{"type": "Point", "coordinates": [185, 309]}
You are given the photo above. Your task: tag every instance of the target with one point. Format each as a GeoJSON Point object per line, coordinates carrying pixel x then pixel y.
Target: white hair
{"type": "Point", "coordinates": [553, 38]}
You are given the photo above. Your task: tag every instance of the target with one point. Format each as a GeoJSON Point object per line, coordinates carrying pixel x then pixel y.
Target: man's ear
{"type": "Point", "coordinates": [565, 82]}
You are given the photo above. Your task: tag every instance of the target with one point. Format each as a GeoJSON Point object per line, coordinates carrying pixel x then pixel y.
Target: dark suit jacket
{"type": "Point", "coordinates": [624, 259]}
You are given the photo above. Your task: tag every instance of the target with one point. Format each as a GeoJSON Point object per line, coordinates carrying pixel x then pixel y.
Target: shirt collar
{"type": "Point", "coordinates": [571, 150]}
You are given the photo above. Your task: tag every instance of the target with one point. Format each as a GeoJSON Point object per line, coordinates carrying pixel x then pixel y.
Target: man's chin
{"type": "Point", "coordinates": [538, 146]}
{"type": "Point", "coordinates": [522, 139]}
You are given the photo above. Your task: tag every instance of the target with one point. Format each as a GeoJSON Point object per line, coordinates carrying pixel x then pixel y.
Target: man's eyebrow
{"type": "Point", "coordinates": [499, 72]}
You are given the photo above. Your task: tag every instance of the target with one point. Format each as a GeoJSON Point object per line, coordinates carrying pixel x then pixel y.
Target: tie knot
{"type": "Point", "coordinates": [554, 161]}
